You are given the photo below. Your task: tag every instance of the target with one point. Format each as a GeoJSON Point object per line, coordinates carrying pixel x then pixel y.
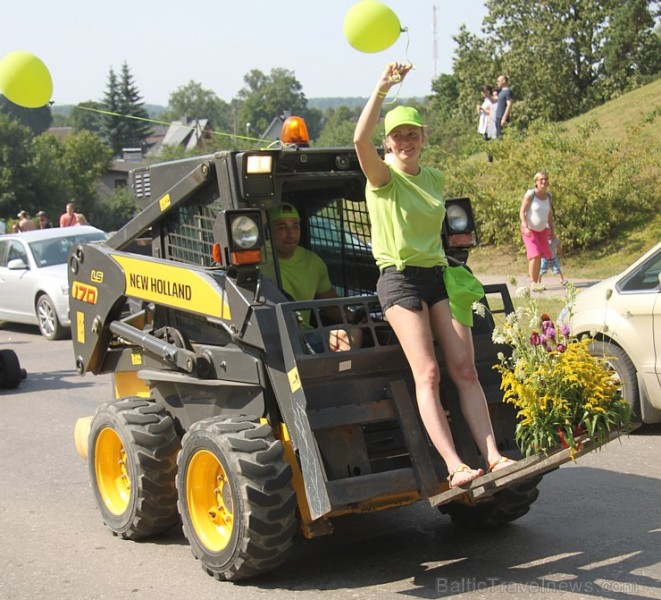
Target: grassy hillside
{"type": "Point", "coordinates": [632, 121]}
{"type": "Point", "coordinates": [627, 111]}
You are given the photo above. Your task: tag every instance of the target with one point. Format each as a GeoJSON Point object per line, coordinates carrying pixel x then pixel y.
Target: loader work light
{"type": "Point", "coordinates": [258, 164]}
{"type": "Point", "coordinates": [239, 237]}
{"type": "Point", "coordinates": [295, 132]}
{"type": "Point", "coordinates": [459, 226]}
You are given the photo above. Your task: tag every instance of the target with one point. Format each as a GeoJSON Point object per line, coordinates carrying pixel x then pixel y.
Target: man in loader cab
{"type": "Point", "coordinates": [304, 275]}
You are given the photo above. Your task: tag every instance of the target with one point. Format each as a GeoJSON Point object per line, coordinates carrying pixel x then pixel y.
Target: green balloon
{"type": "Point", "coordinates": [371, 26]}
{"type": "Point", "coordinates": [25, 80]}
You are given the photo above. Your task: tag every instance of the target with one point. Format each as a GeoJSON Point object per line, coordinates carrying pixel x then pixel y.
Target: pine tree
{"type": "Point", "coordinates": [125, 127]}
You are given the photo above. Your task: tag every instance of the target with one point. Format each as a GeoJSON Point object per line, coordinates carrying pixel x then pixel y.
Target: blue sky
{"type": "Point", "coordinates": [168, 44]}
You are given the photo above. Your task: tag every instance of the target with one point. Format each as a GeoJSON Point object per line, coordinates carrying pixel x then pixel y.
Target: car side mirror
{"type": "Point", "coordinates": [17, 264]}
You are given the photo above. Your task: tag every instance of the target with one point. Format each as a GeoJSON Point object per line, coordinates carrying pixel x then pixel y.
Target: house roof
{"type": "Point", "coordinates": [187, 134]}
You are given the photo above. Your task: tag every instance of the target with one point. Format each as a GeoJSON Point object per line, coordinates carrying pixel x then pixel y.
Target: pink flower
{"type": "Point", "coordinates": [535, 339]}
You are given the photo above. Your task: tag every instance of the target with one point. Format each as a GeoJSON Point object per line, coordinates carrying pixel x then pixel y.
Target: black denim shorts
{"type": "Point", "coordinates": [411, 287]}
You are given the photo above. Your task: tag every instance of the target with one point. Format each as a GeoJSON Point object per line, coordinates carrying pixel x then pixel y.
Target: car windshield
{"type": "Point", "coordinates": [55, 251]}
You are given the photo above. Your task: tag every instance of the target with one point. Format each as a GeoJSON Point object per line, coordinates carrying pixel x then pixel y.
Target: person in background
{"type": "Point", "coordinates": [504, 106]}
{"type": "Point", "coordinates": [406, 208]}
{"type": "Point", "coordinates": [15, 228]}
{"type": "Point", "coordinates": [486, 126]}
{"type": "Point", "coordinates": [553, 264]}
{"type": "Point", "coordinates": [81, 219]}
{"type": "Point", "coordinates": [43, 222]}
{"type": "Point", "coordinates": [3, 226]}
{"type": "Point", "coordinates": [536, 217]}
{"type": "Point", "coordinates": [25, 223]}
{"type": "Point", "coordinates": [68, 217]}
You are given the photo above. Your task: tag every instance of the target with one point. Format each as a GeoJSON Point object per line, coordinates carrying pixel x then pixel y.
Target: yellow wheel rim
{"type": "Point", "coordinates": [210, 503]}
{"type": "Point", "coordinates": [112, 475]}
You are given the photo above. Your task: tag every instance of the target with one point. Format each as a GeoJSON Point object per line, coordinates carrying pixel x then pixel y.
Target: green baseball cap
{"type": "Point", "coordinates": [402, 115]}
{"type": "Point", "coordinates": [284, 211]}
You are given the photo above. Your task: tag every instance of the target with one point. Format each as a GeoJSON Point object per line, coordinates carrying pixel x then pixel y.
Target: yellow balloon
{"type": "Point", "coordinates": [371, 26]}
{"type": "Point", "coordinates": [25, 80]}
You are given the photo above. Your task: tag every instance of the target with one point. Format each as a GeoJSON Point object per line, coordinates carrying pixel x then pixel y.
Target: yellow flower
{"type": "Point", "coordinates": [554, 382]}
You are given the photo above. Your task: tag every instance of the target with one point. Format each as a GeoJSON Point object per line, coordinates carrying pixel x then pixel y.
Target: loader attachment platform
{"type": "Point", "coordinates": [531, 466]}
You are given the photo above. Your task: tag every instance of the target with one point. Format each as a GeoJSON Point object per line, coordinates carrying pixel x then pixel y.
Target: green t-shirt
{"type": "Point", "coordinates": [304, 275]}
{"type": "Point", "coordinates": [406, 216]}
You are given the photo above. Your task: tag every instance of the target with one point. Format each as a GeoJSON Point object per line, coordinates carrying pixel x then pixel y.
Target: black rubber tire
{"type": "Point", "coordinates": [49, 325]}
{"type": "Point", "coordinates": [620, 362]}
{"type": "Point", "coordinates": [504, 507]}
{"type": "Point", "coordinates": [10, 370]}
{"type": "Point", "coordinates": [236, 499]}
{"type": "Point", "coordinates": [132, 462]}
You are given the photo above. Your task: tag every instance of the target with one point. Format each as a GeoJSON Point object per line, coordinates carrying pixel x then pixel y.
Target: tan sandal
{"type": "Point", "coordinates": [463, 468]}
{"type": "Point", "coordinates": [503, 460]}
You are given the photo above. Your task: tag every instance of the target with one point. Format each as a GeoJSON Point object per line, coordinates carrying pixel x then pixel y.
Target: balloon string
{"type": "Point", "coordinates": [406, 54]}
{"type": "Point", "coordinates": [169, 124]}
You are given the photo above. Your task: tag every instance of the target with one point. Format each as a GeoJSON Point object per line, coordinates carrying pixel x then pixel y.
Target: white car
{"type": "Point", "coordinates": [33, 276]}
{"type": "Point", "coordinates": [623, 315]}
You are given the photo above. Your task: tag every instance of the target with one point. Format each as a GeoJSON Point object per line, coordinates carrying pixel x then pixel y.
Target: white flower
{"type": "Point", "coordinates": [498, 337]}
{"type": "Point", "coordinates": [522, 292]}
{"type": "Point", "coordinates": [479, 309]}
{"type": "Point", "coordinates": [500, 356]}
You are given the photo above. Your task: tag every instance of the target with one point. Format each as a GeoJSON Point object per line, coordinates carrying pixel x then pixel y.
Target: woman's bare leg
{"type": "Point", "coordinates": [456, 341]}
{"type": "Point", "coordinates": [414, 334]}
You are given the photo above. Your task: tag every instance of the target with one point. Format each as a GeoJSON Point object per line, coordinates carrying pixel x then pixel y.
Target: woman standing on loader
{"type": "Point", "coordinates": [406, 210]}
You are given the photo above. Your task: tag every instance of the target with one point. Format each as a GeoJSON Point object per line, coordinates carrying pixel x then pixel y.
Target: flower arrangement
{"type": "Point", "coordinates": [560, 390]}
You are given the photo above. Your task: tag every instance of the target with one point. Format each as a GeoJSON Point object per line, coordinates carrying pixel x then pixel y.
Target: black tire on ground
{"type": "Point", "coordinates": [618, 360]}
{"type": "Point", "coordinates": [236, 499]}
{"type": "Point", "coordinates": [49, 324]}
{"type": "Point", "coordinates": [132, 462]}
{"type": "Point", "coordinates": [10, 370]}
{"type": "Point", "coordinates": [504, 507]}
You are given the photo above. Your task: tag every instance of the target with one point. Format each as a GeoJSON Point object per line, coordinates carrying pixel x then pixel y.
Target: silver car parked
{"type": "Point", "coordinates": [33, 276]}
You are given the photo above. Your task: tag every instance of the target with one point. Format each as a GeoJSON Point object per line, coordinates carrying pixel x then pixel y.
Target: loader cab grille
{"type": "Point", "coordinates": [188, 234]}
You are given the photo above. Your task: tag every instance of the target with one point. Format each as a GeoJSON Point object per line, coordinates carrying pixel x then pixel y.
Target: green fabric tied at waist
{"type": "Point", "coordinates": [463, 289]}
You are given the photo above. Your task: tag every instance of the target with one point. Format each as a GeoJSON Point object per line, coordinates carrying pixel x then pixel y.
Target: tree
{"type": "Point", "coordinates": [84, 160]}
{"type": "Point", "coordinates": [192, 101]}
{"type": "Point", "coordinates": [264, 97]}
{"type": "Point", "coordinates": [127, 125]}
{"type": "Point", "coordinates": [16, 182]}
{"type": "Point", "coordinates": [88, 116]}
{"type": "Point", "coordinates": [339, 126]}
{"type": "Point", "coordinates": [556, 52]}
{"type": "Point", "coordinates": [37, 119]}
{"type": "Point", "coordinates": [632, 52]}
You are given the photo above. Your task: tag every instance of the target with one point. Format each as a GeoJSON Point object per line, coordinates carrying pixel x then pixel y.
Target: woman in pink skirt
{"type": "Point", "coordinates": [536, 216]}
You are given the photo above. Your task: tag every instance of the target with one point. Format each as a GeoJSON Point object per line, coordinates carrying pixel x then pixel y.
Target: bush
{"type": "Point", "coordinates": [597, 186]}
{"type": "Point", "coordinates": [115, 211]}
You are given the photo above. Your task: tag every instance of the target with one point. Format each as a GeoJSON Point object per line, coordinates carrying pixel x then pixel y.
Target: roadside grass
{"type": "Point", "coordinates": [595, 263]}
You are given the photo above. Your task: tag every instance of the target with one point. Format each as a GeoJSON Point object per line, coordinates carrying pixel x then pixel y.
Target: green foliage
{"type": "Point", "coordinates": [192, 101]}
{"type": "Point", "coordinates": [266, 96]}
{"type": "Point", "coordinates": [86, 116]}
{"type": "Point", "coordinates": [339, 127]}
{"type": "Point", "coordinates": [116, 210]}
{"type": "Point", "coordinates": [15, 167]}
{"type": "Point", "coordinates": [563, 57]}
{"type": "Point", "coordinates": [593, 183]}
{"type": "Point", "coordinates": [84, 160]}
{"type": "Point", "coordinates": [128, 127]}
{"type": "Point", "coordinates": [37, 119]}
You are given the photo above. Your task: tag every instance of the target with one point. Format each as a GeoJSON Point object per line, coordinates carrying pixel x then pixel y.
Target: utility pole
{"type": "Point", "coordinates": [435, 42]}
